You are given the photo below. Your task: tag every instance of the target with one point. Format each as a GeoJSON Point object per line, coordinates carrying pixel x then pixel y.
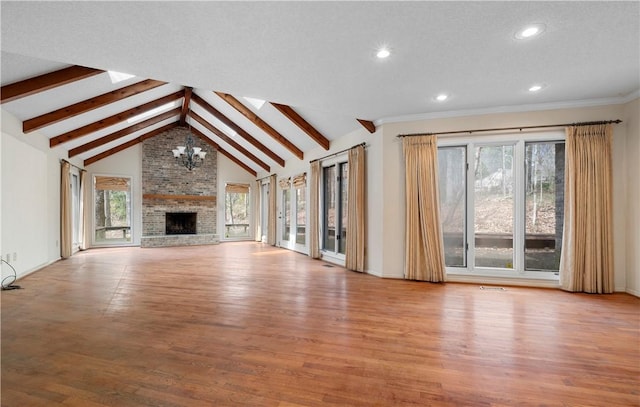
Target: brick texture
{"type": "Point", "coordinates": [163, 175]}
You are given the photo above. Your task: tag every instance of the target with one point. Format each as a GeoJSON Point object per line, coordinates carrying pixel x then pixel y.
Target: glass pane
{"type": "Point", "coordinates": [236, 214]}
{"type": "Point", "coordinates": [344, 188]}
{"type": "Point", "coordinates": [112, 197]}
{"type": "Point", "coordinates": [301, 215]}
{"type": "Point", "coordinates": [544, 172]}
{"type": "Point", "coordinates": [264, 203]}
{"type": "Point", "coordinates": [286, 216]}
{"type": "Point", "coordinates": [494, 206]}
{"type": "Point", "coordinates": [452, 184]}
{"type": "Point", "coordinates": [75, 208]}
{"type": "Point", "coordinates": [329, 218]}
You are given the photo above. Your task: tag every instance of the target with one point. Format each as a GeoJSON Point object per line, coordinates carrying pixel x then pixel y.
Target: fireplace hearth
{"type": "Point", "coordinates": [181, 223]}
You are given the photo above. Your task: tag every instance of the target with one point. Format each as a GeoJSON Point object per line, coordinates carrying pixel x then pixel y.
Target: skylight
{"type": "Point", "coordinates": [119, 76]}
{"type": "Point", "coordinates": [151, 112]}
{"type": "Point", "coordinates": [257, 103]}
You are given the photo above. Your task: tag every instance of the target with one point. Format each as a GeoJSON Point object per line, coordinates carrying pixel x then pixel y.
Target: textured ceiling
{"type": "Point", "coordinates": [319, 57]}
{"type": "Point", "coordinates": [321, 54]}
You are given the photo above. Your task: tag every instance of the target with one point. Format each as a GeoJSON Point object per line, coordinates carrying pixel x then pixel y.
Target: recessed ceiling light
{"type": "Point", "coordinates": [530, 31]}
{"type": "Point", "coordinates": [535, 88]}
{"type": "Point", "coordinates": [383, 53]}
{"type": "Point", "coordinates": [442, 97]}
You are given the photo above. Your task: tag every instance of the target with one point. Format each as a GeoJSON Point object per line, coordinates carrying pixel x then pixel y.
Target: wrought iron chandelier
{"type": "Point", "coordinates": [189, 155]}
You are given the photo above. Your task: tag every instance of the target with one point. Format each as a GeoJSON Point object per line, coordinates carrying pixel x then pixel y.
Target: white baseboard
{"type": "Point", "coordinates": [37, 268]}
{"type": "Point", "coordinates": [374, 273]}
{"type": "Point", "coordinates": [633, 292]}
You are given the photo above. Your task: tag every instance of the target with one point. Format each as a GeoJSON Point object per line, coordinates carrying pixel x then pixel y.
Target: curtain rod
{"type": "Point", "coordinates": [72, 164]}
{"type": "Point", "coordinates": [338, 152]}
{"type": "Point", "coordinates": [512, 128]}
{"type": "Point", "coordinates": [265, 177]}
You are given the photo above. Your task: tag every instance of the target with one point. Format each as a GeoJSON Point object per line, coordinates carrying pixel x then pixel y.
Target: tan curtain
{"type": "Point", "coordinates": [84, 205]}
{"type": "Point", "coordinates": [66, 222]}
{"type": "Point", "coordinates": [258, 211]}
{"type": "Point", "coordinates": [423, 238]}
{"type": "Point", "coordinates": [300, 181]}
{"type": "Point", "coordinates": [314, 208]}
{"type": "Point", "coordinates": [271, 238]}
{"type": "Point", "coordinates": [356, 220]}
{"type": "Point", "coordinates": [586, 262]}
{"type": "Point", "coordinates": [236, 188]}
{"type": "Point", "coordinates": [285, 183]}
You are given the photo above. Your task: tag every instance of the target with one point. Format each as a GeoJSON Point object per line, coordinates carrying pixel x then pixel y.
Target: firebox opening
{"type": "Point", "coordinates": [181, 223]}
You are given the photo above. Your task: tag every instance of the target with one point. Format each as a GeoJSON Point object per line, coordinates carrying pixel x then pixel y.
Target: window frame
{"type": "Point", "coordinates": [131, 214]}
{"type": "Point", "coordinates": [334, 256]}
{"type": "Point", "coordinates": [519, 141]}
{"type": "Point", "coordinates": [249, 235]}
{"type": "Point", "coordinates": [76, 202]}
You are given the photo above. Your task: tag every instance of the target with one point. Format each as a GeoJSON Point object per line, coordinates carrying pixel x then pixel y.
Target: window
{"type": "Point", "coordinates": [334, 221]}
{"type": "Point", "coordinates": [501, 204]}
{"type": "Point", "coordinates": [329, 213]}
{"type": "Point", "coordinates": [75, 208]}
{"type": "Point", "coordinates": [453, 185]}
{"type": "Point", "coordinates": [286, 215]}
{"type": "Point", "coordinates": [493, 206]}
{"type": "Point", "coordinates": [301, 215]}
{"type": "Point", "coordinates": [236, 211]}
{"type": "Point", "coordinates": [544, 176]}
{"type": "Point", "coordinates": [264, 216]}
{"type": "Point", "coordinates": [112, 215]}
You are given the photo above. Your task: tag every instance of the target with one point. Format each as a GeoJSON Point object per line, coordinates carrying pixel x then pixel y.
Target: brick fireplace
{"type": "Point", "coordinates": [170, 188]}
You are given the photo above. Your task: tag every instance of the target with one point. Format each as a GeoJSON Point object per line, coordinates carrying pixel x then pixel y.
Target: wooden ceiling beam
{"type": "Point", "coordinates": [228, 140]}
{"type": "Point", "coordinates": [115, 119]}
{"type": "Point", "coordinates": [241, 132]}
{"type": "Point", "coordinates": [76, 109]}
{"type": "Point", "coordinates": [293, 116]}
{"type": "Point", "coordinates": [37, 84]}
{"type": "Point", "coordinates": [369, 125]}
{"type": "Point", "coordinates": [230, 156]}
{"type": "Point", "coordinates": [124, 132]}
{"type": "Point", "coordinates": [262, 125]}
{"type": "Point", "coordinates": [129, 143]}
{"type": "Point", "coordinates": [185, 105]}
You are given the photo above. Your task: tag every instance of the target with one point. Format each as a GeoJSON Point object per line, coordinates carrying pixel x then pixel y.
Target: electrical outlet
{"type": "Point", "coordinates": [56, 243]}
{"type": "Point", "coordinates": [15, 256]}
{"type": "Point", "coordinates": [8, 260]}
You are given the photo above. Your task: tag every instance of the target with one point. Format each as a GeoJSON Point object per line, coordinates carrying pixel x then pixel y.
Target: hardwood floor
{"type": "Point", "coordinates": [243, 324]}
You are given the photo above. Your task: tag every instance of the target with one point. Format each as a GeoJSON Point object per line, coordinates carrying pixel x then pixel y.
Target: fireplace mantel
{"type": "Point", "coordinates": [189, 197]}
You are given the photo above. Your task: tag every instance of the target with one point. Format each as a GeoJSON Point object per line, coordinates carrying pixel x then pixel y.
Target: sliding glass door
{"type": "Point", "coordinates": [334, 222]}
{"type": "Point", "coordinates": [493, 206]}
{"type": "Point", "coordinates": [501, 204]}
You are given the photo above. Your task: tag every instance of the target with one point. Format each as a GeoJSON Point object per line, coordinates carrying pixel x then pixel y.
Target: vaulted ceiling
{"type": "Point", "coordinates": [313, 62]}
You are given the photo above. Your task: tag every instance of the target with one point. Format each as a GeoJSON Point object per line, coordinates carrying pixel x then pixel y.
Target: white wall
{"type": "Point", "coordinates": [30, 203]}
{"type": "Point", "coordinates": [393, 181]}
{"type": "Point", "coordinates": [632, 221]}
{"type": "Point", "coordinates": [228, 171]}
{"type": "Point", "coordinates": [126, 163]}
